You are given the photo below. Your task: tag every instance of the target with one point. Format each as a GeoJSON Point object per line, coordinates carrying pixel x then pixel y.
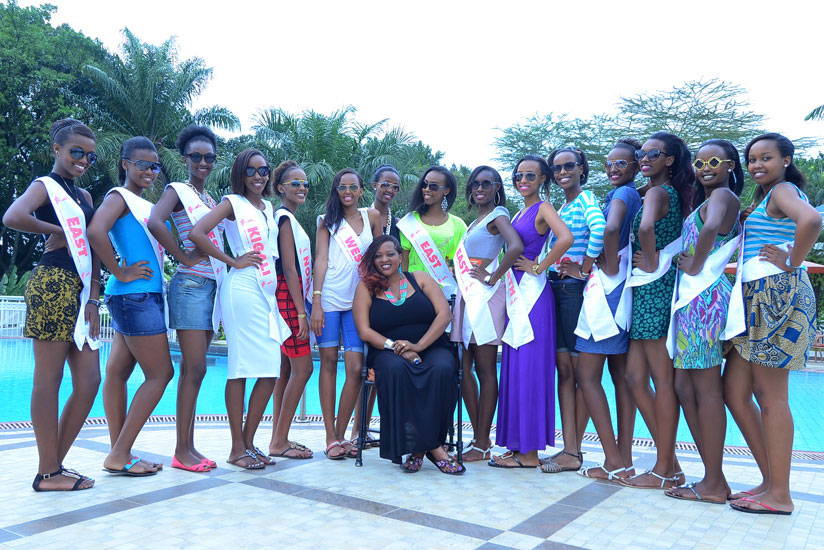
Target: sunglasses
{"type": "Point", "coordinates": [433, 186]}
{"type": "Point", "coordinates": [387, 185]}
{"type": "Point", "coordinates": [262, 170]}
{"type": "Point", "coordinates": [530, 176]}
{"type": "Point", "coordinates": [77, 153]}
{"type": "Point", "coordinates": [714, 162]}
{"type": "Point", "coordinates": [297, 183]}
{"type": "Point", "coordinates": [353, 188]}
{"type": "Point", "coordinates": [210, 158]}
{"type": "Point", "coordinates": [144, 165]}
{"type": "Point", "coordinates": [485, 184]}
{"type": "Point", "coordinates": [619, 164]}
{"type": "Point", "coordinates": [652, 154]}
{"type": "Point", "coordinates": [568, 166]}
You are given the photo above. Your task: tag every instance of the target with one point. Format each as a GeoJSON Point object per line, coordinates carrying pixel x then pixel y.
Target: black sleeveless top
{"type": "Point", "coordinates": [408, 321]}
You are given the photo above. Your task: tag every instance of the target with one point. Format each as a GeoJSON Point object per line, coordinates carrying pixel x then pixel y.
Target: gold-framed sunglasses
{"type": "Point", "coordinates": [713, 163]}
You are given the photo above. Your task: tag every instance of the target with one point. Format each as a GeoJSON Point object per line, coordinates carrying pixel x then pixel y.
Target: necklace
{"type": "Point", "coordinates": [402, 298]}
{"type": "Point", "coordinates": [388, 227]}
{"type": "Point", "coordinates": [198, 193]}
{"type": "Point", "coordinates": [70, 190]}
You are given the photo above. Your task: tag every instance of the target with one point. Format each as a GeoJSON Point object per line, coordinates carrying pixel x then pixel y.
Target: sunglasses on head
{"type": "Point", "coordinates": [262, 170]}
{"type": "Point", "coordinates": [619, 164]}
{"type": "Point", "coordinates": [714, 162]}
{"type": "Point", "coordinates": [145, 165]}
{"type": "Point", "coordinates": [343, 188]}
{"type": "Point", "coordinates": [388, 185]}
{"type": "Point", "coordinates": [530, 176]}
{"type": "Point", "coordinates": [77, 153]}
{"type": "Point", "coordinates": [485, 184]}
{"type": "Point", "coordinates": [652, 154]}
{"type": "Point", "coordinates": [210, 158]}
{"type": "Point", "coordinates": [568, 166]}
{"type": "Point", "coordinates": [297, 183]}
{"type": "Point", "coordinates": [432, 186]}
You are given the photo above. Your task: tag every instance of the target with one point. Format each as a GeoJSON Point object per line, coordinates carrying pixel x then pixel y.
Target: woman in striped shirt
{"type": "Point", "coordinates": [779, 312]}
{"type": "Point", "coordinates": [585, 220]}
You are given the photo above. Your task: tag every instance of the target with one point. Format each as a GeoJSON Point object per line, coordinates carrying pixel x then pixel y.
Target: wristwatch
{"type": "Point", "coordinates": [584, 274]}
{"type": "Point", "coordinates": [487, 280]}
{"type": "Point", "coordinates": [389, 344]}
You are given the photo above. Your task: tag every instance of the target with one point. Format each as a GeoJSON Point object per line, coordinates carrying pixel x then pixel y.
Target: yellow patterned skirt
{"type": "Point", "coordinates": [780, 313]}
{"type": "Point", "coordinates": [52, 304]}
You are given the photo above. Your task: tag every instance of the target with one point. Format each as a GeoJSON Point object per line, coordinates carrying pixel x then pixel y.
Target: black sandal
{"type": "Point", "coordinates": [64, 472]}
{"type": "Point", "coordinates": [446, 466]}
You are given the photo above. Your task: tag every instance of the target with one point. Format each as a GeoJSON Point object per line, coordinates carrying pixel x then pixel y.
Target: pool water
{"type": "Point", "coordinates": [17, 363]}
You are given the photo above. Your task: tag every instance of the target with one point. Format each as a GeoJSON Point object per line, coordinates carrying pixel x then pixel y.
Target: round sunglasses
{"type": "Point", "coordinates": [262, 170]}
{"type": "Point", "coordinates": [77, 153]}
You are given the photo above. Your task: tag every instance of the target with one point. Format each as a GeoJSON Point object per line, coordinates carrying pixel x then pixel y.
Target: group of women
{"type": "Point", "coordinates": [639, 285]}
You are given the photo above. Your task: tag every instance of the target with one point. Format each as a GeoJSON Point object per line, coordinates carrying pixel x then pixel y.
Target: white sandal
{"type": "Point", "coordinates": [664, 480]}
{"type": "Point", "coordinates": [584, 472]}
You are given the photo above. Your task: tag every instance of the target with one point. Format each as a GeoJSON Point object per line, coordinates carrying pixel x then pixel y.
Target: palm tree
{"type": "Point", "coordinates": [148, 92]}
{"type": "Point", "coordinates": [816, 114]}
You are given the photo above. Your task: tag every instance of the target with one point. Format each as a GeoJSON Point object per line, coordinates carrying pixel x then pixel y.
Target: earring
{"type": "Point", "coordinates": [786, 166]}
{"type": "Point", "coordinates": [444, 204]}
{"type": "Point", "coordinates": [471, 199]}
{"type": "Point", "coordinates": [729, 170]}
{"type": "Point", "coordinates": [495, 200]}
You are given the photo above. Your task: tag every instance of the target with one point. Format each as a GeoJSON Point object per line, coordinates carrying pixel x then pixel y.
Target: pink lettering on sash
{"type": "Point", "coordinates": [354, 248]}
{"type": "Point", "coordinates": [76, 228]}
{"type": "Point", "coordinates": [427, 248]}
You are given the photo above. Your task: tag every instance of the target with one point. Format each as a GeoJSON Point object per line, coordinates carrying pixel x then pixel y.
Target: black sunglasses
{"type": "Point", "coordinates": [77, 153]}
{"type": "Point", "coordinates": [210, 158]}
{"type": "Point", "coordinates": [485, 184]}
{"type": "Point", "coordinates": [387, 185]}
{"type": "Point", "coordinates": [433, 186]}
{"type": "Point", "coordinates": [530, 176]}
{"type": "Point", "coordinates": [262, 170]}
{"type": "Point", "coordinates": [568, 166]}
{"type": "Point", "coordinates": [619, 164]}
{"type": "Point", "coordinates": [652, 154]}
{"type": "Point", "coordinates": [145, 165]}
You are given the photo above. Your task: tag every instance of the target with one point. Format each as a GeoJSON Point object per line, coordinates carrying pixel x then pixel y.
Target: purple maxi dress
{"type": "Point", "coordinates": [526, 399]}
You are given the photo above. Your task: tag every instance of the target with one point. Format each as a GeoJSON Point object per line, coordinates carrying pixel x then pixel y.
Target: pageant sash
{"type": "Point", "coordinates": [689, 287]}
{"type": "Point", "coordinates": [196, 209]}
{"type": "Point", "coordinates": [520, 299]}
{"type": "Point", "coordinates": [477, 317]}
{"type": "Point", "coordinates": [73, 222]}
{"type": "Point", "coordinates": [593, 320]}
{"type": "Point", "coordinates": [349, 241]}
{"type": "Point", "coordinates": [303, 250]}
{"type": "Point", "coordinates": [258, 234]}
{"type": "Point", "coordinates": [429, 254]}
{"type": "Point", "coordinates": [638, 277]}
{"type": "Point", "coordinates": [141, 209]}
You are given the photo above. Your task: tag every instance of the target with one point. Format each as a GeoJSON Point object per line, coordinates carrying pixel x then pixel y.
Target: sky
{"type": "Point", "coordinates": [453, 72]}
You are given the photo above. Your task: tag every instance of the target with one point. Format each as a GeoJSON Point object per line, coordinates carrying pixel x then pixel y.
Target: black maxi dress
{"type": "Point", "coordinates": [416, 402]}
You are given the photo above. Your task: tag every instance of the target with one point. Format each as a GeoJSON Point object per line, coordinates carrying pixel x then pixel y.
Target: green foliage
{"type": "Point", "coordinates": [816, 114]}
{"type": "Point", "coordinates": [11, 284]}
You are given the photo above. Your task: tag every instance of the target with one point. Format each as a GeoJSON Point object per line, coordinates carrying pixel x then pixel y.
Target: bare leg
{"type": "Point", "coordinates": [277, 394]}
{"type": "Point", "coordinates": [686, 393]}
{"type": "Point", "coordinates": [119, 368]}
{"type": "Point", "coordinates": [258, 400]}
{"type": "Point", "coordinates": [370, 407]}
{"type": "Point", "coordinates": [738, 392]}
{"type": "Point", "coordinates": [470, 389]}
{"type": "Point", "coordinates": [353, 362]}
{"type": "Point", "coordinates": [328, 394]}
{"type": "Point", "coordinates": [235, 399]}
{"type": "Point", "coordinates": [300, 372]}
{"type": "Point", "coordinates": [486, 367]}
{"type": "Point", "coordinates": [570, 456]}
{"type": "Point", "coordinates": [85, 369]}
{"type": "Point", "coordinates": [194, 344]}
{"type": "Point", "coordinates": [638, 379]}
{"type": "Point", "coordinates": [625, 407]}
{"type": "Point", "coordinates": [152, 353]}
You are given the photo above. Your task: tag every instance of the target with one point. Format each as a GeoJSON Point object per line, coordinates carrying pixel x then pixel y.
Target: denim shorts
{"type": "Point", "coordinates": [335, 324]}
{"type": "Point", "coordinates": [614, 345]}
{"type": "Point", "coordinates": [138, 314]}
{"type": "Point", "coordinates": [569, 297]}
{"type": "Point", "coordinates": [191, 301]}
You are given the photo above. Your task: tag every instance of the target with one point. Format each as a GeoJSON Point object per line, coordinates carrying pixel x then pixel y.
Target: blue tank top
{"type": "Point", "coordinates": [761, 229]}
{"type": "Point", "coordinates": [132, 244]}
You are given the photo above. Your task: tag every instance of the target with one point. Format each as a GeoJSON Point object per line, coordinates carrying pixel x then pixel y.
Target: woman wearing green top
{"type": "Point", "coordinates": [429, 206]}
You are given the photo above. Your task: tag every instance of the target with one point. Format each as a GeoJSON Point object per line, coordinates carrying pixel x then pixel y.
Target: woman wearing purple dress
{"type": "Point", "coordinates": [526, 403]}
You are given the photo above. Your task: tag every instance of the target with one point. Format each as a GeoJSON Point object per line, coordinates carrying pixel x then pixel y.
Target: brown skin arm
{"type": "Point", "coordinates": [787, 203]}
{"type": "Point", "coordinates": [375, 223]}
{"type": "Point", "coordinates": [321, 264]}
{"type": "Point", "coordinates": [360, 312]}
{"type": "Point", "coordinates": [92, 313]}
{"type": "Point", "coordinates": [514, 248]}
{"type": "Point", "coordinates": [162, 211]}
{"type": "Point", "coordinates": [547, 217]}
{"type": "Point", "coordinates": [198, 234]}
{"type": "Point", "coordinates": [289, 261]}
{"type": "Point", "coordinates": [20, 215]}
{"type": "Point", "coordinates": [722, 211]}
{"type": "Point", "coordinates": [612, 236]}
{"type": "Point", "coordinates": [656, 206]}
{"type": "Point", "coordinates": [112, 209]}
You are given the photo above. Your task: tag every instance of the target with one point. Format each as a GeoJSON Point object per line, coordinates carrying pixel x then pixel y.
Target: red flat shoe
{"type": "Point", "coordinates": [209, 463]}
{"type": "Point", "coordinates": [200, 468]}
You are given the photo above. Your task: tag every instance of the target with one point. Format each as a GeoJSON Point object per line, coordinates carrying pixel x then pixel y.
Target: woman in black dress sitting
{"type": "Point", "coordinates": [402, 317]}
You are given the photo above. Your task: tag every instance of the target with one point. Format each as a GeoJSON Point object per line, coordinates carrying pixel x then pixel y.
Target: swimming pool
{"type": "Point", "coordinates": [17, 360]}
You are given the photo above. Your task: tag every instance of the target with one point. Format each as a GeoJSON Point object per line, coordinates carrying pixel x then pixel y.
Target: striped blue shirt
{"type": "Point", "coordinates": [761, 229]}
{"type": "Point", "coordinates": [584, 218]}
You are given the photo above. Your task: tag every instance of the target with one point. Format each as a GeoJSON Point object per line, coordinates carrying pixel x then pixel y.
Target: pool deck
{"type": "Point", "coordinates": [323, 503]}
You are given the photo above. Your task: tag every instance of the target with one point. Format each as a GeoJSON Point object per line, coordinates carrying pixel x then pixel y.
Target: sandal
{"type": "Point", "coordinates": [552, 467]}
{"type": "Point", "coordinates": [664, 480]}
{"type": "Point", "coordinates": [506, 455]}
{"type": "Point", "coordinates": [353, 448]}
{"type": "Point", "coordinates": [446, 466]}
{"type": "Point", "coordinates": [294, 447]}
{"type": "Point", "coordinates": [62, 472]}
{"type": "Point", "coordinates": [266, 459]}
{"type": "Point", "coordinates": [371, 442]}
{"type": "Point", "coordinates": [412, 464]}
{"type": "Point", "coordinates": [611, 476]}
{"type": "Point", "coordinates": [332, 446]}
{"type": "Point", "coordinates": [256, 465]}
{"type": "Point", "coordinates": [698, 498]}
{"type": "Point", "coordinates": [483, 452]}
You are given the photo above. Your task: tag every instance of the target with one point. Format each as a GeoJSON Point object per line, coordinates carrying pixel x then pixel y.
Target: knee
{"type": "Point", "coordinates": [683, 389]}
{"type": "Point", "coordinates": [635, 379]}
{"type": "Point", "coordinates": [565, 372]}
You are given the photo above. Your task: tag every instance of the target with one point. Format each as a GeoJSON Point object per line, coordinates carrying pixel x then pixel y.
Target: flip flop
{"type": "Point", "coordinates": [767, 508]}
{"type": "Point", "coordinates": [332, 446]}
{"type": "Point", "coordinates": [698, 498]}
{"type": "Point", "coordinates": [257, 465]}
{"type": "Point", "coordinates": [200, 467]}
{"type": "Point", "coordinates": [508, 454]}
{"type": "Point", "coordinates": [126, 470]}
{"type": "Point", "coordinates": [733, 497]}
{"type": "Point", "coordinates": [294, 447]}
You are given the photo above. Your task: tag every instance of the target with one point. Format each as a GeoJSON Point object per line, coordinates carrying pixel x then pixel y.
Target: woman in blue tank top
{"type": "Point", "coordinates": [134, 296]}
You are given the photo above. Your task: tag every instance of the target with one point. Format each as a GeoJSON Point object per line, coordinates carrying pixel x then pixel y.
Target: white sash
{"type": "Point", "coordinates": [73, 222]}
{"type": "Point", "coordinates": [639, 277]}
{"type": "Point", "coordinates": [751, 270]}
{"type": "Point", "coordinates": [254, 236]}
{"type": "Point", "coordinates": [303, 250]}
{"type": "Point", "coordinates": [195, 208]}
{"type": "Point", "coordinates": [520, 299]}
{"type": "Point", "coordinates": [348, 240]}
{"type": "Point", "coordinates": [141, 209]}
{"type": "Point", "coordinates": [593, 319]}
{"type": "Point", "coordinates": [688, 287]}
{"type": "Point", "coordinates": [477, 317]}
{"type": "Point", "coordinates": [430, 256]}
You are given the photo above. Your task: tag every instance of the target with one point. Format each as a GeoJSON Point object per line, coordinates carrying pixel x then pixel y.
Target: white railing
{"type": "Point", "coordinates": [13, 319]}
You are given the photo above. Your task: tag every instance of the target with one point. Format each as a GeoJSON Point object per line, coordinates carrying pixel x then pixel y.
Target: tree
{"type": "Point", "coordinates": [816, 114]}
{"type": "Point", "coordinates": [41, 81]}
{"type": "Point", "coordinates": [148, 92]}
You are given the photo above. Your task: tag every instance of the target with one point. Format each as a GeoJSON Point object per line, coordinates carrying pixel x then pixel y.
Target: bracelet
{"type": "Point", "coordinates": [301, 316]}
{"type": "Point", "coordinates": [96, 281]}
{"type": "Point", "coordinates": [791, 266]}
{"type": "Point", "coordinates": [95, 303]}
{"type": "Point", "coordinates": [535, 269]}
{"type": "Point", "coordinates": [583, 273]}
{"type": "Point", "coordinates": [389, 344]}
{"type": "Point", "coordinates": [316, 292]}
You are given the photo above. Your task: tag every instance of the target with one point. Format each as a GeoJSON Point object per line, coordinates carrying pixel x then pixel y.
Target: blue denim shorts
{"type": "Point", "coordinates": [569, 297]}
{"type": "Point", "coordinates": [614, 345]}
{"type": "Point", "coordinates": [191, 301]}
{"type": "Point", "coordinates": [138, 314]}
{"type": "Point", "coordinates": [335, 324]}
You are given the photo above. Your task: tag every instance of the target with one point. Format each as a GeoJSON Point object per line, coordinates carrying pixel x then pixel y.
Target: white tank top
{"type": "Point", "coordinates": [341, 276]}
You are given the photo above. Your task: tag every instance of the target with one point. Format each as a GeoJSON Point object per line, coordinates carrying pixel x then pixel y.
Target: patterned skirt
{"type": "Point", "coordinates": [651, 307]}
{"type": "Point", "coordinates": [52, 304]}
{"type": "Point", "coordinates": [780, 321]}
{"type": "Point", "coordinates": [698, 327]}
{"type": "Point", "coordinates": [292, 347]}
